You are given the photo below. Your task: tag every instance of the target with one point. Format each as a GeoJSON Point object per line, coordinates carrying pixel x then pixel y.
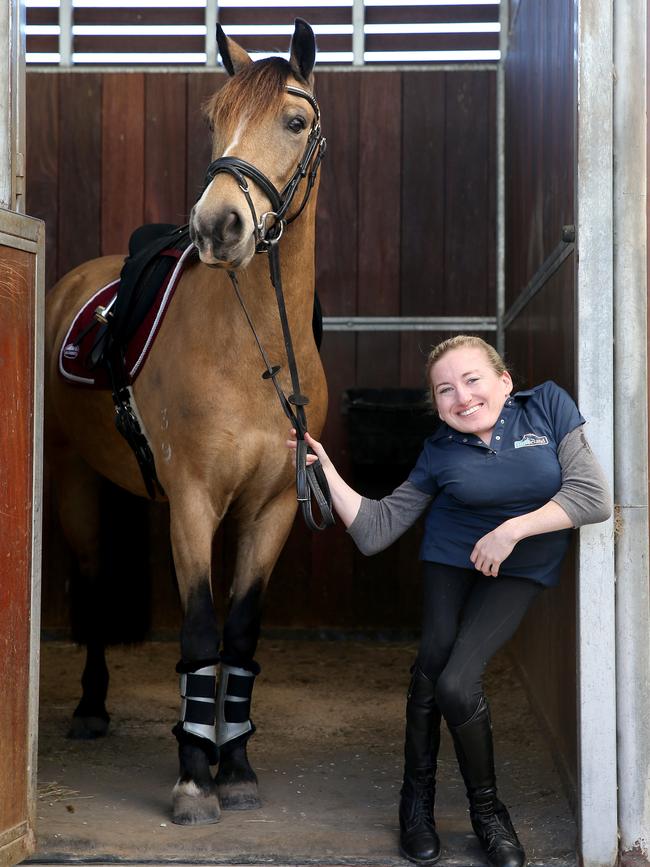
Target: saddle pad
{"type": "Point", "coordinates": [77, 346]}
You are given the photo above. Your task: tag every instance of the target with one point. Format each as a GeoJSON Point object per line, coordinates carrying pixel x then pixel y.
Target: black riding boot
{"type": "Point", "coordinates": [418, 840]}
{"type": "Point", "coordinates": [490, 819]}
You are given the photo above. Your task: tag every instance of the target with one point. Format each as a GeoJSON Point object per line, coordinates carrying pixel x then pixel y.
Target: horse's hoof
{"type": "Point", "coordinates": [87, 728]}
{"type": "Point", "coordinates": [239, 796]}
{"type": "Point", "coordinates": [193, 806]}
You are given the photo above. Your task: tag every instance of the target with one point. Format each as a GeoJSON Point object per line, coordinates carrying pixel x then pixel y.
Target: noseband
{"type": "Point", "coordinates": [310, 480]}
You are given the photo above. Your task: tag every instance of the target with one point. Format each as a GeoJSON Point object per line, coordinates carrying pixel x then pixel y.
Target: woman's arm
{"type": "Point", "coordinates": [492, 549]}
{"type": "Point", "coordinates": [583, 498]}
{"type": "Point", "coordinates": [380, 522]}
{"type": "Point", "coordinates": [372, 524]}
{"type": "Point", "coordinates": [584, 494]}
{"type": "Point", "coordinates": [345, 499]}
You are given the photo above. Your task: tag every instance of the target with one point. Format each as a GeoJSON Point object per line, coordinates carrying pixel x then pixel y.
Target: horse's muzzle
{"type": "Point", "coordinates": [223, 238]}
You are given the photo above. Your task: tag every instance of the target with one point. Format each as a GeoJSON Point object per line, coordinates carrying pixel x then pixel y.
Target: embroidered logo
{"type": "Point", "coordinates": [71, 351]}
{"type": "Point", "coordinates": [531, 439]}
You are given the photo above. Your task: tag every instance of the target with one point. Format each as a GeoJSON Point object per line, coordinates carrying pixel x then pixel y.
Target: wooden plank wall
{"type": "Point", "coordinates": [540, 132]}
{"type": "Point", "coordinates": [406, 226]}
{"type": "Point", "coordinates": [17, 311]}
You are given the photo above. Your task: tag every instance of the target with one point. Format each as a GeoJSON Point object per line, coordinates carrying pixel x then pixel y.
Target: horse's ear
{"type": "Point", "coordinates": [303, 51]}
{"type": "Point", "coordinates": [233, 56]}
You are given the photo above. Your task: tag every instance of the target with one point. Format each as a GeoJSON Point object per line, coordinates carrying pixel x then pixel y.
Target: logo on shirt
{"type": "Point", "coordinates": [531, 439]}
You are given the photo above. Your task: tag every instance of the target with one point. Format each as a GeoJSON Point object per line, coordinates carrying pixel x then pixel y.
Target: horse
{"type": "Point", "coordinates": [214, 428]}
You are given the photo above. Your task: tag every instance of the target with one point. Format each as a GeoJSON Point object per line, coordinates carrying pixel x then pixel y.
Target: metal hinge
{"type": "Point", "coordinates": [20, 174]}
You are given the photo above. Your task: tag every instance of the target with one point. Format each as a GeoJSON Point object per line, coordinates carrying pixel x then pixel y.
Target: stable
{"type": "Point", "coordinates": [505, 198]}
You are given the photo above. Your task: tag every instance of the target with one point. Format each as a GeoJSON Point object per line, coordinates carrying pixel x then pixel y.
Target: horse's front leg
{"type": "Point", "coordinates": [195, 797]}
{"type": "Point", "coordinates": [261, 533]}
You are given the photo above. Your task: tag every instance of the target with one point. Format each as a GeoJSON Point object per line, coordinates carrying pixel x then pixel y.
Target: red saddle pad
{"type": "Point", "coordinates": [75, 349]}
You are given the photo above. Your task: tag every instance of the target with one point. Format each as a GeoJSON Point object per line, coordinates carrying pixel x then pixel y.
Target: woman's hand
{"type": "Point", "coordinates": [345, 499]}
{"type": "Point", "coordinates": [492, 549]}
{"type": "Point", "coordinates": [319, 452]}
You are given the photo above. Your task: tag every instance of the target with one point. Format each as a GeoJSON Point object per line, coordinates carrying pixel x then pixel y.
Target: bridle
{"type": "Point", "coordinates": [266, 236]}
{"type": "Point", "coordinates": [268, 229]}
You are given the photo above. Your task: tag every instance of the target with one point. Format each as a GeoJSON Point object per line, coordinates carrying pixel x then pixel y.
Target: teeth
{"type": "Point", "coordinates": [471, 410]}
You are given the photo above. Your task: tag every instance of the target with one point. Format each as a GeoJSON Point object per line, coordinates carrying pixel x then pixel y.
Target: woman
{"type": "Point", "coordinates": [506, 477]}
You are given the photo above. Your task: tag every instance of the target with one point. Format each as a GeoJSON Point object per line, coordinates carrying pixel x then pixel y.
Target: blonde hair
{"type": "Point", "coordinates": [463, 341]}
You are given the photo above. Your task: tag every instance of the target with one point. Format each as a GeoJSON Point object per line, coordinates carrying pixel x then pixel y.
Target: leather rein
{"type": "Point", "coordinates": [268, 228]}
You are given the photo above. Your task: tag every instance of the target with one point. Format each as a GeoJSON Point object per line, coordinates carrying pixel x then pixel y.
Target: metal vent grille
{"type": "Point", "coordinates": [431, 32]}
{"type": "Point", "coordinates": [42, 32]}
{"type": "Point", "coordinates": [267, 27]}
{"type": "Point", "coordinates": [130, 32]}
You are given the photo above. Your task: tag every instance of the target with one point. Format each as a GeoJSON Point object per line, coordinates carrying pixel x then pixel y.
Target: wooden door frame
{"type": "Point", "coordinates": [28, 234]}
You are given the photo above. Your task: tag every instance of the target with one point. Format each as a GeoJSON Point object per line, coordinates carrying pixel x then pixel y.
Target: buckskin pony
{"type": "Point", "coordinates": [213, 424]}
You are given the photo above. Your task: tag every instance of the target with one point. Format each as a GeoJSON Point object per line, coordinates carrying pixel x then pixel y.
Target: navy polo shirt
{"type": "Point", "coordinates": [476, 487]}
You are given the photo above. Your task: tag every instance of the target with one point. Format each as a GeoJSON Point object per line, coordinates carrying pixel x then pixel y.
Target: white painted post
{"type": "Point", "coordinates": [631, 427]}
{"type": "Point", "coordinates": [598, 820]}
{"type": "Point", "coordinates": [65, 33]}
{"type": "Point", "coordinates": [19, 111]}
{"type": "Point", "coordinates": [6, 143]}
{"type": "Point", "coordinates": [12, 115]}
{"type": "Point", "coordinates": [211, 17]}
{"type": "Point", "coordinates": [358, 34]}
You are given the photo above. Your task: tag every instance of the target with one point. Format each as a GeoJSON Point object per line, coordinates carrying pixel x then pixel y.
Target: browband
{"type": "Point", "coordinates": [297, 91]}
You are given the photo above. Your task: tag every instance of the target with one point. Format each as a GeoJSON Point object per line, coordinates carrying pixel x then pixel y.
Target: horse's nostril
{"type": "Point", "coordinates": [228, 229]}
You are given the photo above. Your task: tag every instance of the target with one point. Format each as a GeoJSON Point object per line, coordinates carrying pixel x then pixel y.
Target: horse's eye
{"type": "Point", "coordinates": [296, 124]}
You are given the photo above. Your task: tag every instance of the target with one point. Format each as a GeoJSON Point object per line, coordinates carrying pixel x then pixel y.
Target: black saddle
{"type": "Point", "coordinates": [143, 273]}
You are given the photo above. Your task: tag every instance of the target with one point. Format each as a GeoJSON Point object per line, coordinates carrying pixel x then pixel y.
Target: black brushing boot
{"type": "Point", "coordinates": [418, 840]}
{"type": "Point", "coordinates": [490, 819]}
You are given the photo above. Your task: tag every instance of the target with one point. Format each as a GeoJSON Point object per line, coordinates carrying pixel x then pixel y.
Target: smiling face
{"type": "Point", "coordinates": [469, 394]}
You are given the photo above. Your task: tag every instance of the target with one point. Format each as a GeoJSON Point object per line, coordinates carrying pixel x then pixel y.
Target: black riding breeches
{"type": "Point", "coordinates": [467, 617]}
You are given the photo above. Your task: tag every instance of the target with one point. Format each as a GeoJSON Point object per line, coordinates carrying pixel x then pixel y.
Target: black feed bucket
{"type": "Point", "coordinates": [387, 426]}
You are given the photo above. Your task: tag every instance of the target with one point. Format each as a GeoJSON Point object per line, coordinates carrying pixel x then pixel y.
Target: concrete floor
{"type": "Point", "coordinates": [327, 753]}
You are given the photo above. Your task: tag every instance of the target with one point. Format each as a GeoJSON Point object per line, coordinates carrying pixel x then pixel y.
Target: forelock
{"type": "Point", "coordinates": [255, 91]}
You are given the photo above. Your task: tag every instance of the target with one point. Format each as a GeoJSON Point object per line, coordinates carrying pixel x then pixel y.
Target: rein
{"type": "Point", "coordinates": [310, 480]}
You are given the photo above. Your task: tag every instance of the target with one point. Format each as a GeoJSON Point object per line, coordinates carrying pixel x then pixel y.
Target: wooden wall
{"type": "Point", "coordinates": [540, 160]}
{"type": "Point", "coordinates": [17, 353]}
{"type": "Point", "coordinates": [406, 226]}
